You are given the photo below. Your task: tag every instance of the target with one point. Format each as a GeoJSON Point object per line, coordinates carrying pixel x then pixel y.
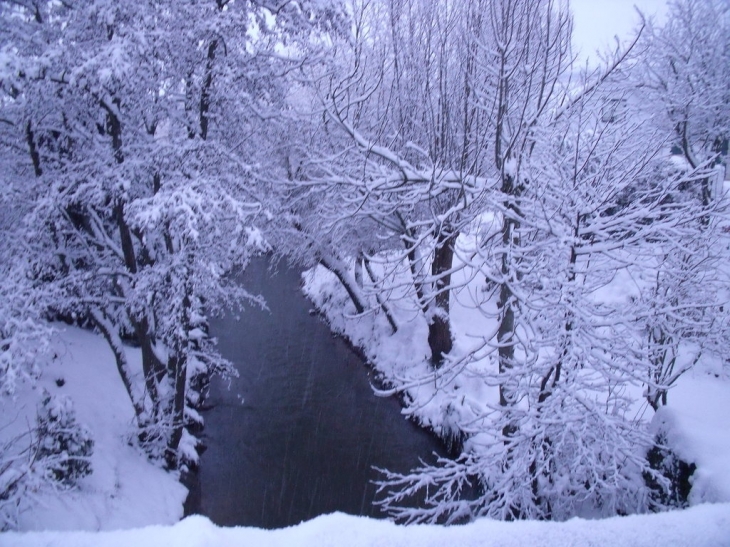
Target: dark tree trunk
{"type": "Point", "coordinates": [205, 92]}
{"type": "Point", "coordinates": [153, 369]}
{"type": "Point", "coordinates": [177, 364]}
{"type": "Point", "coordinates": [439, 325]}
{"type": "Point", "coordinates": [114, 128]}
{"type": "Point", "coordinates": [408, 238]}
{"type": "Point", "coordinates": [351, 291]}
{"type": "Point", "coordinates": [506, 331]}
{"type": "Point", "coordinates": [383, 304]}
{"type": "Point", "coordinates": [151, 366]}
{"type": "Point", "coordinates": [33, 150]}
{"type": "Point", "coordinates": [359, 270]}
{"type": "Point", "coordinates": [705, 182]}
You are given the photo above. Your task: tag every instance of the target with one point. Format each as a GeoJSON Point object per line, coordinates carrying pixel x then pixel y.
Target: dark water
{"type": "Point", "coordinates": [298, 433]}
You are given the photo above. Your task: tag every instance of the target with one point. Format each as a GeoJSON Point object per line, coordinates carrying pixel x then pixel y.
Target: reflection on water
{"type": "Point", "coordinates": [297, 434]}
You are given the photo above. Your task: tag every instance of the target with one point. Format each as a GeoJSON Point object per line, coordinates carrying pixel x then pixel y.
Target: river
{"type": "Point", "coordinates": [299, 433]}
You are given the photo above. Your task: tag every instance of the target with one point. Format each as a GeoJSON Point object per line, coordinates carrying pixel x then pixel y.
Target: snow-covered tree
{"type": "Point", "coordinates": [136, 125]}
{"type": "Point", "coordinates": [681, 83]}
{"type": "Point", "coordinates": [589, 204]}
{"type": "Point", "coordinates": [685, 75]}
{"type": "Point", "coordinates": [54, 454]}
{"type": "Point", "coordinates": [399, 162]}
{"type": "Point", "coordinates": [63, 443]}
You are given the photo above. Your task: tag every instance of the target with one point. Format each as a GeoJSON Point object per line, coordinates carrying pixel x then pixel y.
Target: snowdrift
{"type": "Point", "coordinates": [700, 526]}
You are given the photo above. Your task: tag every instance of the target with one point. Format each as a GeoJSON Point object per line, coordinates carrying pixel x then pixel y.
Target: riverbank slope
{"type": "Point", "coordinates": [125, 489]}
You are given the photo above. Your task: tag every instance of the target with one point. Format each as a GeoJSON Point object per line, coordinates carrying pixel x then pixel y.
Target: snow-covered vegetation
{"type": "Point", "coordinates": [532, 252]}
{"type": "Point", "coordinates": [458, 405]}
{"type": "Point", "coordinates": [550, 252]}
{"type": "Point", "coordinates": [115, 485]}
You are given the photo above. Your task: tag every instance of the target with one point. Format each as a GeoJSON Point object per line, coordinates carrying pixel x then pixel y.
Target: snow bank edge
{"type": "Point", "coordinates": [705, 525]}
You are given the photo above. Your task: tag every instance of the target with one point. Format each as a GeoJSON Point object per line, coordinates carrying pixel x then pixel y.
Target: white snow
{"type": "Point", "coordinates": [125, 490]}
{"type": "Point", "coordinates": [699, 431]}
{"type": "Point", "coordinates": [702, 526]}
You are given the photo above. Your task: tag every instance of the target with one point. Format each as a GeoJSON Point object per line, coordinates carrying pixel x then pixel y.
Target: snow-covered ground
{"type": "Point", "coordinates": [124, 490]}
{"type": "Point", "coordinates": [702, 526]}
{"type": "Point", "coordinates": [699, 431]}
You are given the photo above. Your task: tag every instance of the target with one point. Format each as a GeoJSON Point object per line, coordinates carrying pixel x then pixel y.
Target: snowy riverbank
{"type": "Point", "coordinates": [127, 492]}
{"type": "Point", "coordinates": [454, 402]}
{"type": "Point", "coordinates": [124, 490]}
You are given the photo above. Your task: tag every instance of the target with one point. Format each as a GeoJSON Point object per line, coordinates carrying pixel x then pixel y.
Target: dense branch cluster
{"type": "Point", "coordinates": [130, 136]}
{"type": "Point", "coordinates": [463, 152]}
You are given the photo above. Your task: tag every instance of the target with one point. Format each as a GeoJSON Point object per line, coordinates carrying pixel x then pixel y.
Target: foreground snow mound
{"type": "Point", "coordinates": [701, 526]}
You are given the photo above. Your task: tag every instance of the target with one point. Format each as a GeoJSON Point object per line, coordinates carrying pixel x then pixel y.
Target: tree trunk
{"type": "Point", "coordinates": [349, 284]}
{"type": "Point", "coordinates": [439, 325]}
{"type": "Point", "coordinates": [383, 304]}
{"type": "Point", "coordinates": [359, 270]}
{"type": "Point", "coordinates": [33, 150]}
{"type": "Point", "coordinates": [177, 363]}
{"type": "Point", "coordinates": [115, 344]}
{"type": "Point", "coordinates": [506, 331]}
{"type": "Point", "coordinates": [154, 370]}
{"type": "Point", "coordinates": [205, 92]}
{"type": "Point", "coordinates": [415, 264]}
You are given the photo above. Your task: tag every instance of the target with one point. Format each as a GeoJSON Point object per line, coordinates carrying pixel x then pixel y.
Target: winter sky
{"type": "Point", "coordinates": [596, 22]}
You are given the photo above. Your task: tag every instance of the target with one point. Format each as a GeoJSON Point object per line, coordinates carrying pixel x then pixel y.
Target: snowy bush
{"type": "Point", "coordinates": [64, 446]}
{"type": "Point", "coordinates": [55, 453]}
{"type": "Point", "coordinates": [670, 484]}
{"type": "Point", "coordinates": [24, 337]}
{"type": "Point", "coordinates": [16, 476]}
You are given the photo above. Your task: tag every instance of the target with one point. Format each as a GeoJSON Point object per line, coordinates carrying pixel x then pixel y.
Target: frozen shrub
{"type": "Point", "coordinates": [16, 477]}
{"type": "Point", "coordinates": [670, 484]}
{"type": "Point", "coordinates": [64, 445]}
